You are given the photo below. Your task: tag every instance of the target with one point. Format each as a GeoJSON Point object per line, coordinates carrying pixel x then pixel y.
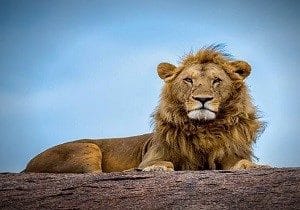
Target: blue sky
{"type": "Point", "coordinates": [87, 69]}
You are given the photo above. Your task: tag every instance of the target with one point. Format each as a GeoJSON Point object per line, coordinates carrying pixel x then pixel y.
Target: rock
{"type": "Point", "coordinates": [246, 189]}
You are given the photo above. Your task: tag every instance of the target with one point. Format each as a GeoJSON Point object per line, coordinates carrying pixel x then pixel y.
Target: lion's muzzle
{"type": "Point", "coordinates": [202, 108]}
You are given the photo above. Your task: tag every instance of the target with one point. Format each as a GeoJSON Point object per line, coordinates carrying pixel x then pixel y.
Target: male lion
{"type": "Point", "coordinates": [205, 120]}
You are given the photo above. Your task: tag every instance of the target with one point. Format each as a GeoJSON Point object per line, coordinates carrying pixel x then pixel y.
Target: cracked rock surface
{"type": "Point", "coordinates": [272, 188]}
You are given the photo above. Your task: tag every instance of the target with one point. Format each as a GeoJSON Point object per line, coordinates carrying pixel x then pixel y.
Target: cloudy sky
{"type": "Point", "coordinates": [87, 69]}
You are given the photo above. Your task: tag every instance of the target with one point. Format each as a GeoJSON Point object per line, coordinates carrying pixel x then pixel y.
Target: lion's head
{"type": "Point", "coordinates": [203, 85]}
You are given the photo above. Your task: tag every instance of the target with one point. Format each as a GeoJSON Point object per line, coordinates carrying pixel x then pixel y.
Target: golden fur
{"type": "Point", "coordinates": [205, 120]}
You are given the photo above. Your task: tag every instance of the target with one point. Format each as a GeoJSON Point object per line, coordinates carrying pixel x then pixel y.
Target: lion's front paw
{"type": "Point", "coordinates": [244, 164]}
{"type": "Point", "coordinates": [158, 168]}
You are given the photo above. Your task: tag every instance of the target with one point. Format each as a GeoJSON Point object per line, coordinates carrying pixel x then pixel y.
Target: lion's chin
{"type": "Point", "coordinates": [202, 114]}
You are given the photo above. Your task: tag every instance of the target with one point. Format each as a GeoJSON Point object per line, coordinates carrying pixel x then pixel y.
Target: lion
{"type": "Point", "coordinates": [205, 120]}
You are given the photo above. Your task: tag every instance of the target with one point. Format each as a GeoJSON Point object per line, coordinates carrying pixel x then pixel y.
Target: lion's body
{"type": "Point", "coordinates": [91, 155]}
{"type": "Point", "coordinates": [205, 120]}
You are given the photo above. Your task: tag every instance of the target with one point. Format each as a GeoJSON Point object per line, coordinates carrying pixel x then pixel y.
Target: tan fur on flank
{"type": "Point", "coordinates": [205, 120]}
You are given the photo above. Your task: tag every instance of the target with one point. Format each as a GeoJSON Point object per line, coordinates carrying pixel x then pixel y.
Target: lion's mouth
{"type": "Point", "coordinates": [204, 108]}
{"type": "Point", "coordinates": [202, 114]}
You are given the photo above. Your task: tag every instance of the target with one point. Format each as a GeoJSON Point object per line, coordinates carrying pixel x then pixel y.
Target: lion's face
{"type": "Point", "coordinates": [202, 89]}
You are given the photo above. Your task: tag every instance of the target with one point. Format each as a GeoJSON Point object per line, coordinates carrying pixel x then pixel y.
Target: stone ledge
{"type": "Point", "coordinates": [273, 188]}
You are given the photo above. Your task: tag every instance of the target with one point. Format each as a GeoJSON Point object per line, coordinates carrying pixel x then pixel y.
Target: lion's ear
{"type": "Point", "coordinates": [166, 71]}
{"type": "Point", "coordinates": [241, 69]}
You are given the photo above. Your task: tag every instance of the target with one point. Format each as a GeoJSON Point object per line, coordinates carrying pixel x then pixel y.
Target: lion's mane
{"type": "Point", "coordinates": [195, 145]}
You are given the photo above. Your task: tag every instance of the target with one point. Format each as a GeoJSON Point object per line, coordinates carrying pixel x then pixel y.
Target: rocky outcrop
{"type": "Point", "coordinates": [246, 189]}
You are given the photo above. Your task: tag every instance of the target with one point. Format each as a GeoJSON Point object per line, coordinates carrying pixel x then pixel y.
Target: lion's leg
{"type": "Point", "coordinates": [155, 160]}
{"type": "Point", "coordinates": [68, 158]}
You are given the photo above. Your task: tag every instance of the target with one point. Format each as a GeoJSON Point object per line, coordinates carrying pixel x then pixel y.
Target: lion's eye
{"type": "Point", "coordinates": [188, 80]}
{"type": "Point", "coordinates": [217, 81]}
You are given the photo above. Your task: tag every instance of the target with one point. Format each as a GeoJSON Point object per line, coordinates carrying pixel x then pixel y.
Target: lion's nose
{"type": "Point", "coordinates": [203, 99]}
